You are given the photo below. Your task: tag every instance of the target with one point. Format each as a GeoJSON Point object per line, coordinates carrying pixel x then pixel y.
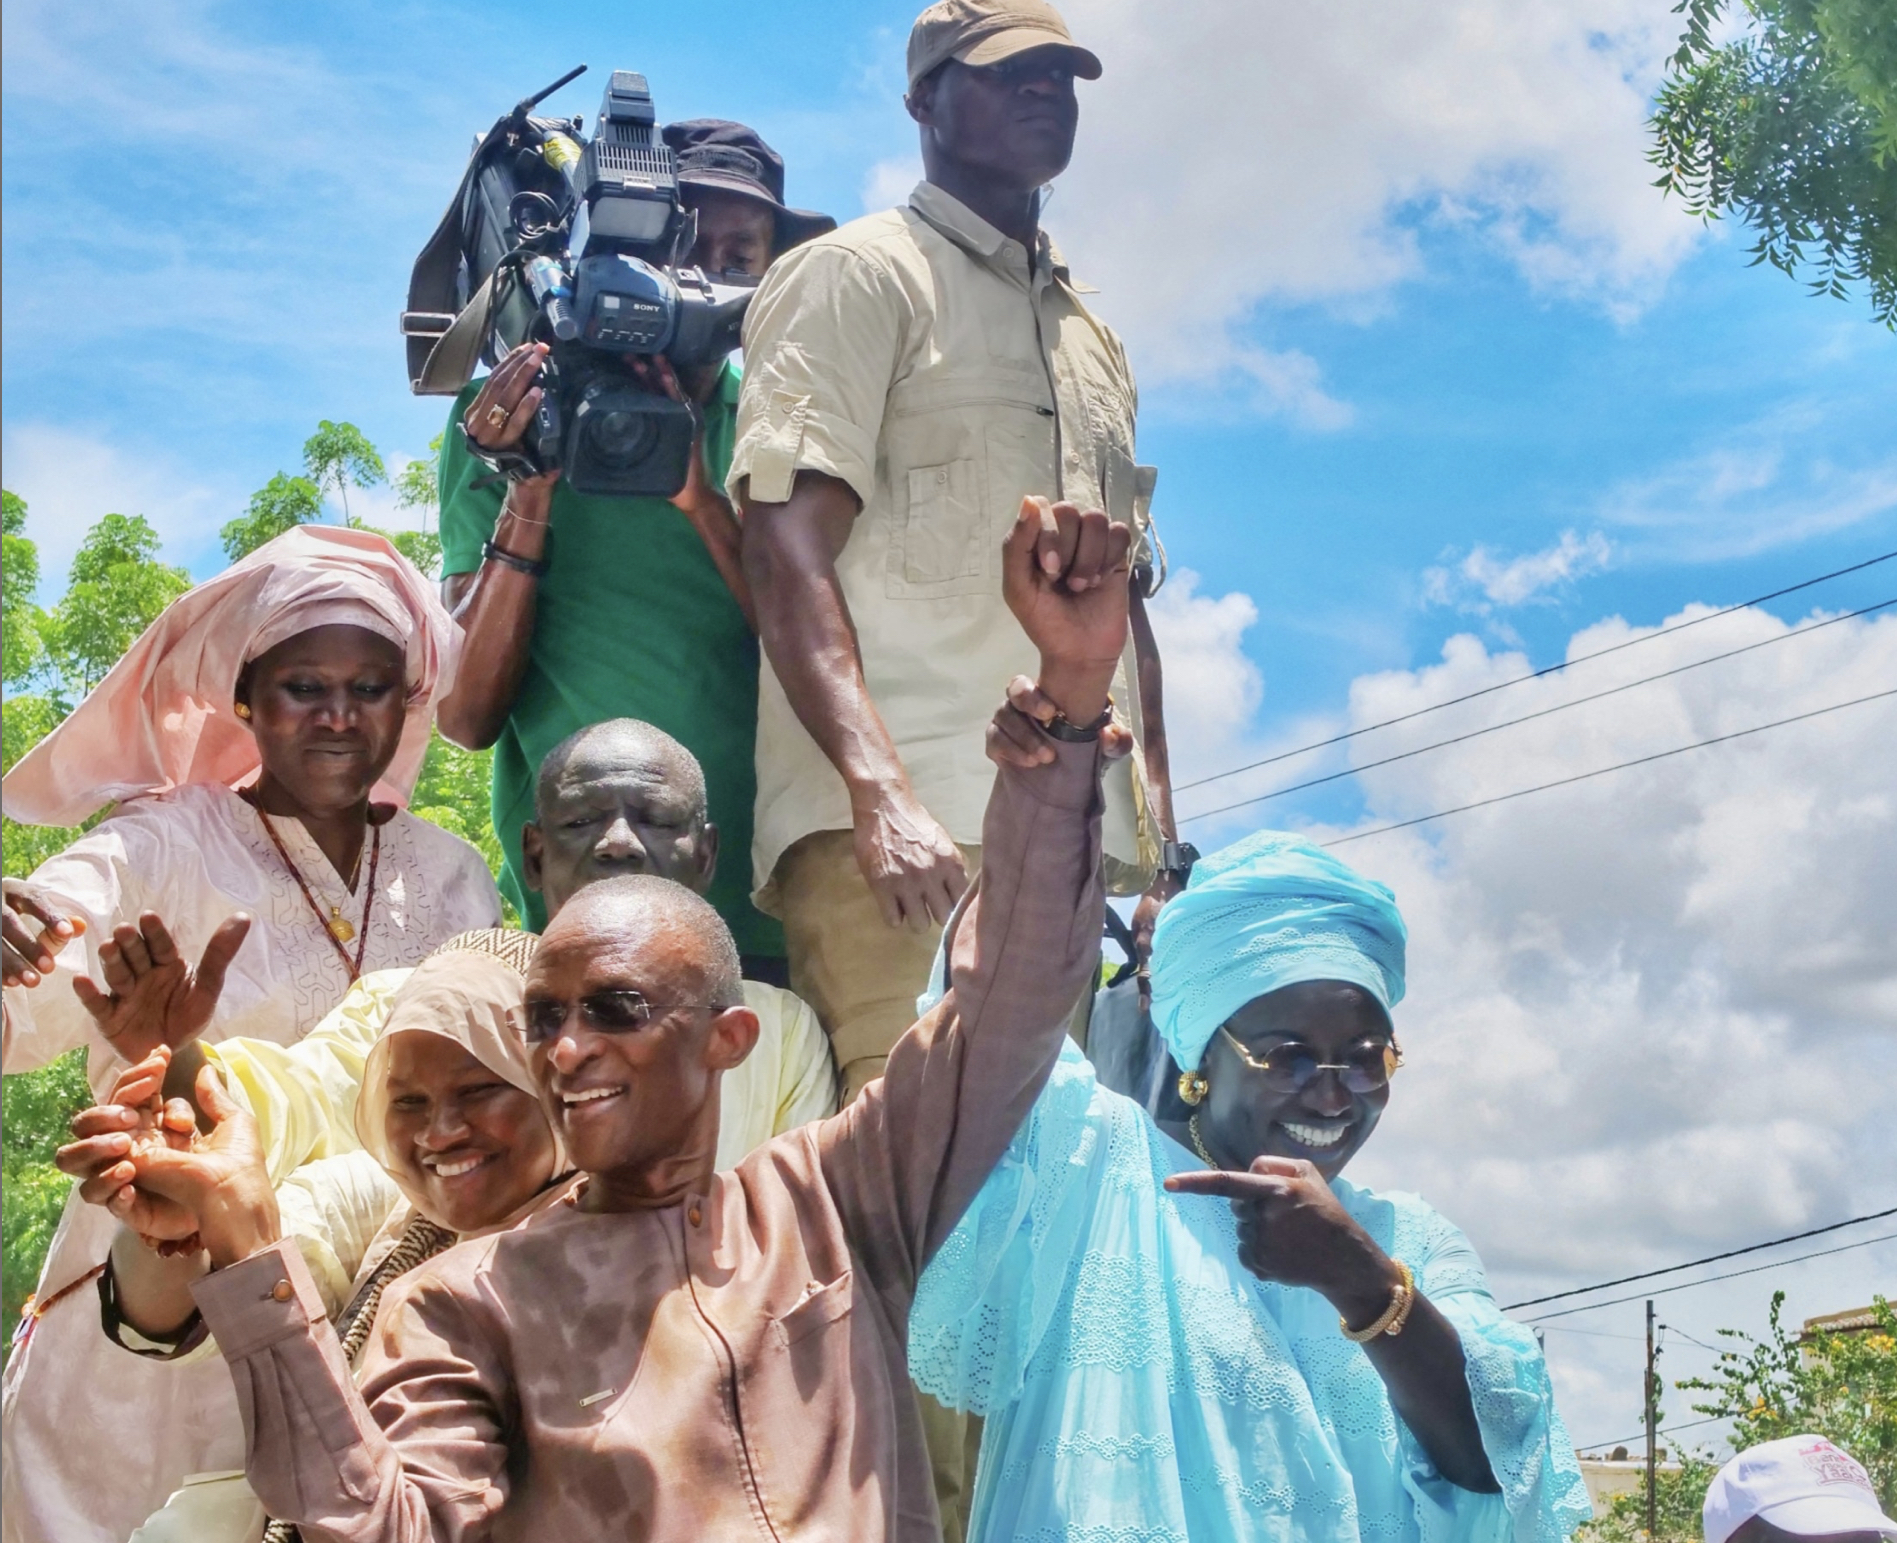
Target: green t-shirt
{"type": "Point", "coordinates": [633, 621]}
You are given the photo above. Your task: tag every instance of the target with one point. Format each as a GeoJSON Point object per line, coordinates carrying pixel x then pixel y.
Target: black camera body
{"type": "Point", "coordinates": [589, 261]}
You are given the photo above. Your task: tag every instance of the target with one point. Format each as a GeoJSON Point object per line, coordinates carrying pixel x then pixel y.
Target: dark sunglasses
{"type": "Point", "coordinates": [604, 1012]}
{"type": "Point", "coordinates": [1292, 1066]}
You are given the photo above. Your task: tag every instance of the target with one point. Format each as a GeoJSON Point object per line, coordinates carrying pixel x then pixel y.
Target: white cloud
{"type": "Point", "coordinates": [1212, 688]}
{"type": "Point", "coordinates": [887, 184]}
{"type": "Point", "coordinates": [70, 480]}
{"type": "Point", "coordinates": [1763, 486]}
{"type": "Point", "coordinates": [1235, 156]}
{"type": "Point", "coordinates": [1649, 1015]}
{"type": "Point", "coordinates": [1482, 580]}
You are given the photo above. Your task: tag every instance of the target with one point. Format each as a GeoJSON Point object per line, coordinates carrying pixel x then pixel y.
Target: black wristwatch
{"type": "Point", "coordinates": [1063, 728]}
{"type": "Point", "coordinates": [1177, 858]}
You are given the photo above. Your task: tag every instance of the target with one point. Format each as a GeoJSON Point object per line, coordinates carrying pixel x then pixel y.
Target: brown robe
{"type": "Point", "coordinates": [733, 1366]}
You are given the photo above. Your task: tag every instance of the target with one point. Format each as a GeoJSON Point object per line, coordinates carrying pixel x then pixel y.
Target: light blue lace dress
{"type": "Point", "coordinates": [1141, 1386]}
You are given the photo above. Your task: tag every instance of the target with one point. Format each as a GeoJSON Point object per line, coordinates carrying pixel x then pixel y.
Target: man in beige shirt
{"type": "Point", "coordinates": [678, 1353]}
{"type": "Point", "coordinates": [908, 379]}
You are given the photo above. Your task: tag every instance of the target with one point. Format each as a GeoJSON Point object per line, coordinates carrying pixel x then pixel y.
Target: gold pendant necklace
{"type": "Point", "coordinates": [337, 925]}
{"type": "Point", "coordinates": [1198, 1142]}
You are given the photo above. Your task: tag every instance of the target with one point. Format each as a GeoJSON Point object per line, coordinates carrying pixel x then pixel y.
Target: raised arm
{"type": "Point", "coordinates": [905, 1160]}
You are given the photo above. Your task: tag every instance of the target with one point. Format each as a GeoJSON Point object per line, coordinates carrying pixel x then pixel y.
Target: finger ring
{"type": "Point", "coordinates": [497, 416]}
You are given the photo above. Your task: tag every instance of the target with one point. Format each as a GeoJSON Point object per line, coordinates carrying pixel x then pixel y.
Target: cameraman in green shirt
{"type": "Point", "coordinates": [579, 609]}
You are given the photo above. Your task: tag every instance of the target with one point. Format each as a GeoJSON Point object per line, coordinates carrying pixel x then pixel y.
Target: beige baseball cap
{"type": "Point", "coordinates": [982, 32]}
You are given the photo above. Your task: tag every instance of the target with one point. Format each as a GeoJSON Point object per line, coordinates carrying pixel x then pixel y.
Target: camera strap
{"type": "Point", "coordinates": [516, 464]}
{"type": "Point", "coordinates": [451, 362]}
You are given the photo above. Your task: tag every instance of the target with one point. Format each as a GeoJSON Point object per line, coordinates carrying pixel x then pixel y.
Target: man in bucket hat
{"type": "Point", "coordinates": [580, 609]}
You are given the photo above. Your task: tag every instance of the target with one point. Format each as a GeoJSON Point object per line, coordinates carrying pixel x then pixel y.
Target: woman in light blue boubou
{"type": "Point", "coordinates": [1202, 1331]}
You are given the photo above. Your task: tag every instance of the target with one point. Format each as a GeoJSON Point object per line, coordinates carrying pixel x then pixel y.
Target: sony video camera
{"type": "Point", "coordinates": [580, 245]}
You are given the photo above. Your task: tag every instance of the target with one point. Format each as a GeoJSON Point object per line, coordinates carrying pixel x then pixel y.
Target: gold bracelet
{"type": "Point", "coordinates": [1391, 1320]}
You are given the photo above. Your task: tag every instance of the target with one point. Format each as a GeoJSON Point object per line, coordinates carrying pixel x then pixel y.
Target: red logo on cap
{"type": "Point", "coordinates": [1830, 1465]}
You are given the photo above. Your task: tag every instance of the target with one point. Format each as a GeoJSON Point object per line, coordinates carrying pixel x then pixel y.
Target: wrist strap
{"type": "Point", "coordinates": [1393, 1317]}
{"type": "Point", "coordinates": [533, 567]}
{"type": "Point", "coordinates": [1067, 731]}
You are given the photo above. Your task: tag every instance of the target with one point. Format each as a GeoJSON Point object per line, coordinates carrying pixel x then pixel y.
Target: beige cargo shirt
{"type": "Point", "coordinates": [914, 356]}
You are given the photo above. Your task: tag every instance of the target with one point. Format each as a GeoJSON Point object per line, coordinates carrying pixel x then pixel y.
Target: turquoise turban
{"type": "Point", "coordinates": [1269, 911]}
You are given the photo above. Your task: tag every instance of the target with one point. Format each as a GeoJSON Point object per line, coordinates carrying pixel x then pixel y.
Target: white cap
{"type": "Point", "coordinates": [1802, 1484]}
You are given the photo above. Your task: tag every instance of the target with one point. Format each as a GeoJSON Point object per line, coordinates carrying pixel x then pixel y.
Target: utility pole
{"type": "Point", "coordinates": [1653, 1410]}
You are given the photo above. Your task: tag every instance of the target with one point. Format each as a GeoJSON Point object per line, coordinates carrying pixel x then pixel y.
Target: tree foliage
{"type": "Point", "coordinates": [116, 590]}
{"type": "Point", "coordinates": [22, 641]}
{"type": "Point", "coordinates": [281, 504]}
{"type": "Point", "coordinates": [454, 791]}
{"type": "Point", "coordinates": [34, 1111]}
{"type": "Point", "coordinates": [1791, 125]}
{"type": "Point", "coordinates": [417, 485]}
{"type": "Point", "coordinates": [1839, 1384]}
{"type": "Point", "coordinates": [339, 456]}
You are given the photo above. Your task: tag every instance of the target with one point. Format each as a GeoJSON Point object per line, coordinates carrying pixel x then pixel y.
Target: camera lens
{"type": "Point", "coordinates": [618, 437]}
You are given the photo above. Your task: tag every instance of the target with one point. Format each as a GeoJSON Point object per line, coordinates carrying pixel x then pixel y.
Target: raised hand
{"type": "Point", "coordinates": [1013, 739]}
{"type": "Point", "coordinates": [1064, 575]}
{"type": "Point", "coordinates": [112, 1139]}
{"type": "Point", "coordinates": [221, 1181]}
{"type": "Point", "coordinates": [26, 955]}
{"type": "Point", "coordinates": [153, 997]}
{"type": "Point", "coordinates": [498, 416]}
{"type": "Point", "coordinates": [1293, 1229]}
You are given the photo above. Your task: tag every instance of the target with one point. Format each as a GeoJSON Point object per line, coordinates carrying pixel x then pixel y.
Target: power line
{"type": "Point", "coordinates": [1559, 707]}
{"type": "Point", "coordinates": [1664, 1430]}
{"type": "Point", "coordinates": [1674, 1328]}
{"type": "Point", "coordinates": [1562, 782]}
{"type": "Point", "coordinates": [1687, 1285]}
{"type": "Point", "coordinates": [1516, 680]}
{"type": "Point", "coordinates": [1562, 1328]}
{"type": "Point", "coordinates": [1693, 1264]}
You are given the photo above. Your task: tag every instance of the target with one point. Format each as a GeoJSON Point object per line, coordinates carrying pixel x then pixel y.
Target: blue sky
{"type": "Point", "coordinates": [214, 258]}
{"type": "Point", "coordinates": [1423, 356]}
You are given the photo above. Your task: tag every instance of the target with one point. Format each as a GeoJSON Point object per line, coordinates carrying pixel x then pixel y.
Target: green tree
{"type": "Point", "coordinates": [21, 641]}
{"type": "Point", "coordinates": [417, 485]}
{"type": "Point", "coordinates": [1793, 127]}
{"type": "Point", "coordinates": [117, 587]}
{"type": "Point", "coordinates": [35, 1109]}
{"type": "Point", "coordinates": [1838, 1384]}
{"type": "Point", "coordinates": [1679, 1496]}
{"type": "Point", "coordinates": [281, 504]}
{"type": "Point", "coordinates": [339, 456]}
{"type": "Point", "coordinates": [116, 590]}
{"type": "Point", "coordinates": [26, 717]}
{"type": "Point", "coordinates": [455, 791]}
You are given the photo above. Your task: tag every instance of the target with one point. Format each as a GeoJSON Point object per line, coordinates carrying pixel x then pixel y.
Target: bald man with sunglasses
{"type": "Point", "coordinates": [680, 1353]}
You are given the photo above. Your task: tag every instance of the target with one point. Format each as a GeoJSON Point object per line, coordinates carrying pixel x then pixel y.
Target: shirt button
{"type": "Point", "coordinates": [695, 1216]}
{"type": "Point", "coordinates": [282, 1291]}
{"type": "Point", "coordinates": [941, 476]}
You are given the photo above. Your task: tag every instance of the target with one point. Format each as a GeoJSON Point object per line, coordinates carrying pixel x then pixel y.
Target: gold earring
{"type": "Point", "coordinates": [1193, 1087]}
{"type": "Point", "coordinates": [242, 709]}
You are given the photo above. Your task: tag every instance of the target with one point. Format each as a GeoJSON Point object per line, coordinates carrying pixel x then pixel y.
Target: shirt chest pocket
{"type": "Point", "coordinates": [820, 1306]}
{"type": "Point", "coordinates": [939, 544]}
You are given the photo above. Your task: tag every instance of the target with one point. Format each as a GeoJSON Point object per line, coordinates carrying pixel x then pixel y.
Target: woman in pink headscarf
{"type": "Point", "coordinates": [257, 741]}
